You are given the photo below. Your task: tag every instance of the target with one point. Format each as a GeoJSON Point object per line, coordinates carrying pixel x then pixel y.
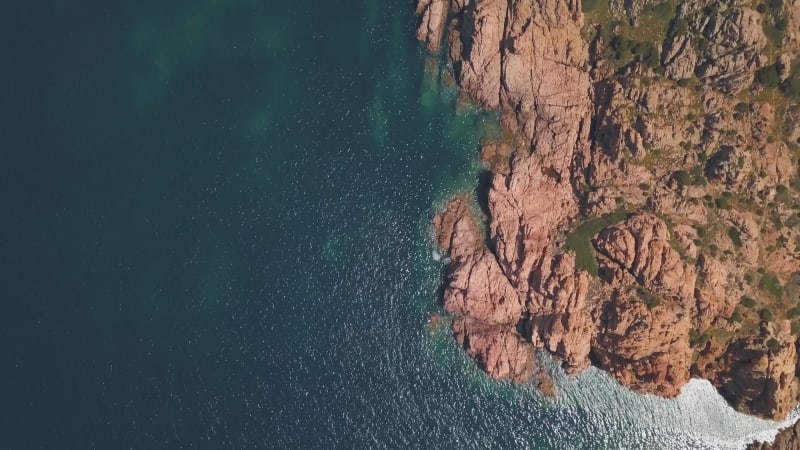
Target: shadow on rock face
{"type": "Point", "coordinates": [497, 349]}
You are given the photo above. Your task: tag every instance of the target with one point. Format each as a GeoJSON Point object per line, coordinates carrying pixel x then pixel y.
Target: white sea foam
{"type": "Point", "coordinates": [699, 418]}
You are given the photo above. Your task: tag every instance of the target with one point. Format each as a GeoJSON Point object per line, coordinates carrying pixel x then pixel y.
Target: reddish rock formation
{"type": "Point", "coordinates": [641, 247]}
{"type": "Point", "coordinates": [645, 347]}
{"type": "Point", "coordinates": [713, 302]}
{"type": "Point", "coordinates": [559, 319]}
{"type": "Point", "coordinates": [515, 289]}
{"type": "Point", "coordinates": [544, 382]}
{"type": "Point", "coordinates": [487, 308]}
{"type": "Point", "coordinates": [497, 349]}
{"type": "Point", "coordinates": [475, 287]}
{"type": "Point", "coordinates": [456, 230]}
{"type": "Point", "coordinates": [432, 16]}
{"type": "Point", "coordinates": [643, 335]}
{"type": "Point", "coordinates": [527, 58]}
{"type": "Point", "coordinates": [475, 40]}
{"type": "Point", "coordinates": [756, 374]}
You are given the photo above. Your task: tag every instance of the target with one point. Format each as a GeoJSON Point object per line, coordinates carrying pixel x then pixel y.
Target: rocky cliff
{"type": "Point", "coordinates": [642, 210]}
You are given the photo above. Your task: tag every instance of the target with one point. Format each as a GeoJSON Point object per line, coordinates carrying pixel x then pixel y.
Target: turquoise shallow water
{"type": "Point", "coordinates": [216, 236]}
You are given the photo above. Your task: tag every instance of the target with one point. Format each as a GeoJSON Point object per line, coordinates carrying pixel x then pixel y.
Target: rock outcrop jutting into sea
{"type": "Point", "coordinates": [639, 217]}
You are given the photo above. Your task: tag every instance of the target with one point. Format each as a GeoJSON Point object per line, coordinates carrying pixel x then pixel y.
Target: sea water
{"type": "Point", "coordinates": [216, 235]}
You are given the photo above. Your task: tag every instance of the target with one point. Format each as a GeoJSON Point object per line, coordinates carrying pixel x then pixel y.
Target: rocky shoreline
{"type": "Point", "coordinates": [642, 213]}
{"type": "Point", "coordinates": [786, 439]}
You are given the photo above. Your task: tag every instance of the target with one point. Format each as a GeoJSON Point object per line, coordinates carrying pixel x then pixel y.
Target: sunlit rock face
{"type": "Point", "coordinates": [659, 306]}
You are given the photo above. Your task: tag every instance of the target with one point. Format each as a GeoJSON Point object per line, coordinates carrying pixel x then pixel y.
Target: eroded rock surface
{"type": "Point", "coordinates": [432, 16]}
{"type": "Point", "coordinates": [641, 247]}
{"type": "Point", "coordinates": [731, 50]}
{"type": "Point", "coordinates": [756, 374]}
{"type": "Point", "coordinates": [499, 350]}
{"type": "Point", "coordinates": [475, 285]}
{"type": "Point", "coordinates": [645, 347]}
{"type": "Point", "coordinates": [736, 44]}
{"type": "Point", "coordinates": [666, 299]}
{"type": "Point", "coordinates": [475, 40]}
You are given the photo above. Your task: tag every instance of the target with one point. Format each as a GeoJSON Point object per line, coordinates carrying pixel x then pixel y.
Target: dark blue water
{"type": "Point", "coordinates": [216, 236]}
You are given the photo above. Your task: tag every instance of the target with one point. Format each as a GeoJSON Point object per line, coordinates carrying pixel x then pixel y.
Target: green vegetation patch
{"type": "Point", "coordinates": [747, 302]}
{"type": "Point", "coordinates": [626, 43]}
{"type": "Point", "coordinates": [593, 5]}
{"type": "Point", "coordinates": [647, 54]}
{"type": "Point", "coordinates": [768, 76]}
{"type": "Point", "coordinates": [697, 339]}
{"type": "Point", "coordinates": [662, 11]}
{"type": "Point", "coordinates": [701, 231]}
{"type": "Point", "coordinates": [774, 30]}
{"type": "Point", "coordinates": [580, 240]}
{"type": "Point", "coordinates": [791, 87]}
{"type": "Point", "coordinates": [695, 177]}
{"type": "Point", "coordinates": [773, 345]}
{"type": "Point", "coordinates": [782, 195]}
{"type": "Point", "coordinates": [742, 107]}
{"type": "Point", "coordinates": [627, 50]}
{"type": "Point", "coordinates": [677, 27]}
{"type": "Point", "coordinates": [769, 283]}
{"type": "Point", "coordinates": [735, 235]}
{"type": "Point", "coordinates": [774, 22]}
{"type": "Point", "coordinates": [648, 297]}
